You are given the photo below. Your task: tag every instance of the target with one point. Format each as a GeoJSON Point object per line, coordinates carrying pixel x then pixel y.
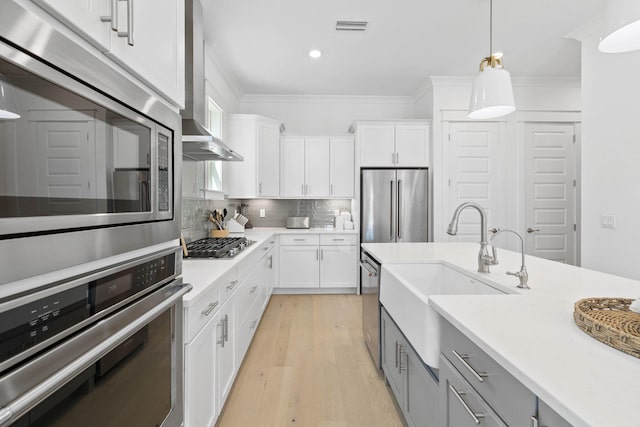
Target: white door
{"type": "Point", "coordinates": [268, 160]}
{"type": "Point", "coordinates": [226, 354]}
{"type": "Point", "coordinates": [66, 164]}
{"type": "Point", "coordinates": [338, 266]}
{"type": "Point", "coordinates": [85, 17]}
{"type": "Point", "coordinates": [299, 266]}
{"type": "Point", "coordinates": [475, 171]}
{"type": "Point", "coordinates": [292, 167]}
{"type": "Point", "coordinates": [550, 217]}
{"type": "Point", "coordinates": [412, 145]}
{"type": "Point", "coordinates": [377, 145]}
{"type": "Point", "coordinates": [341, 168]}
{"type": "Point", "coordinates": [317, 167]}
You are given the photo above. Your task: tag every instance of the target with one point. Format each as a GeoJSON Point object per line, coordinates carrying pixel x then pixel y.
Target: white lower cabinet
{"type": "Point", "coordinates": [312, 261]}
{"type": "Point", "coordinates": [220, 324]}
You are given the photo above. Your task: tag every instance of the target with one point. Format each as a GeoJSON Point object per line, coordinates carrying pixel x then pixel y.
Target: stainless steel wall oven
{"type": "Point", "coordinates": [101, 350]}
{"type": "Point", "coordinates": [90, 168]}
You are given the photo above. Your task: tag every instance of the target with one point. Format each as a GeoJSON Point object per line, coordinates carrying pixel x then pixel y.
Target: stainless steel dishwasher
{"type": "Point", "coordinates": [370, 282]}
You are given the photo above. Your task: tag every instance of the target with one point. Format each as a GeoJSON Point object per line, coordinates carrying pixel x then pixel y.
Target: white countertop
{"type": "Point", "coordinates": [532, 333]}
{"type": "Point", "coordinates": [202, 273]}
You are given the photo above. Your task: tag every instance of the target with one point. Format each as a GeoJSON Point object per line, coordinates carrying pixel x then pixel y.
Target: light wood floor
{"type": "Point", "coordinates": [308, 366]}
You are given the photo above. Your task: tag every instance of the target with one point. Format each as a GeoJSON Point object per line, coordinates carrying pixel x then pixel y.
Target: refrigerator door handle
{"type": "Point", "coordinates": [391, 211]}
{"type": "Point", "coordinates": [398, 210]}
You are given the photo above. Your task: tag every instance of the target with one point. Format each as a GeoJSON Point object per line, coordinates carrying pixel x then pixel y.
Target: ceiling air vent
{"type": "Point", "coordinates": [351, 25]}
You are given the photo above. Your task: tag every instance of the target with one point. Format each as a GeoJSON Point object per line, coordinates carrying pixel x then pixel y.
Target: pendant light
{"type": "Point", "coordinates": [621, 32]}
{"type": "Point", "coordinates": [8, 106]}
{"type": "Point", "coordinates": [492, 94]}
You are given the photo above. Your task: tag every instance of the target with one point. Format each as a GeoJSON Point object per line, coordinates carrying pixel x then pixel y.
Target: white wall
{"type": "Point", "coordinates": [327, 113]}
{"type": "Point", "coordinates": [610, 159]}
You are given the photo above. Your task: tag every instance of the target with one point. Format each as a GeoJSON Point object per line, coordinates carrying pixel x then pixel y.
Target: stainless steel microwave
{"type": "Point", "coordinates": [89, 169]}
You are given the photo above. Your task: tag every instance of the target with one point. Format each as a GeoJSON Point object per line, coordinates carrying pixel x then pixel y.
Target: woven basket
{"type": "Point", "coordinates": [609, 321]}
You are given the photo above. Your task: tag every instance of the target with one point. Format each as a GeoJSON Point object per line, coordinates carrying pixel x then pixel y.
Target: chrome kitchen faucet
{"type": "Point", "coordinates": [522, 274]}
{"type": "Point", "coordinates": [484, 259]}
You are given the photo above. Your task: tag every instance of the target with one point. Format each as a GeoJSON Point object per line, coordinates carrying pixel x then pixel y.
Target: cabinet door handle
{"type": "Point", "coordinates": [321, 254]}
{"type": "Point", "coordinates": [303, 189]}
{"type": "Point", "coordinates": [270, 262]}
{"type": "Point", "coordinates": [226, 327]}
{"type": "Point", "coordinates": [317, 254]}
{"type": "Point", "coordinates": [113, 18]}
{"type": "Point", "coordinates": [232, 284]}
{"type": "Point", "coordinates": [474, 415]}
{"type": "Point", "coordinates": [331, 189]}
{"type": "Point", "coordinates": [210, 308]}
{"type": "Point", "coordinates": [463, 359]}
{"type": "Point", "coordinates": [221, 341]}
{"type": "Point", "coordinates": [252, 290]}
{"type": "Point", "coordinates": [397, 347]}
{"type": "Point", "coordinates": [129, 33]}
{"type": "Point", "coordinates": [260, 188]}
{"type": "Point", "coordinates": [400, 353]}
{"type": "Point", "coordinates": [253, 324]}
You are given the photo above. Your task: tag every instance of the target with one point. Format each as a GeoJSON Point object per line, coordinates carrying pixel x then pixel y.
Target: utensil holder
{"type": "Point", "coordinates": [219, 233]}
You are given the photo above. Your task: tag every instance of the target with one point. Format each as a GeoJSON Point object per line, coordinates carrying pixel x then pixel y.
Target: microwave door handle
{"type": "Point", "coordinates": [31, 398]}
{"type": "Point", "coordinates": [144, 196]}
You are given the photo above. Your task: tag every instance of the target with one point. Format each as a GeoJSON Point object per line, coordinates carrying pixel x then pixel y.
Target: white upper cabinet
{"type": "Point", "coordinates": [146, 37]}
{"type": "Point", "coordinates": [394, 144]}
{"type": "Point", "coordinates": [341, 167]}
{"type": "Point", "coordinates": [316, 161]}
{"type": "Point", "coordinates": [257, 139]}
{"type": "Point", "coordinates": [317, 166]}
{"type": "Point", "coordinates": [292, 167]}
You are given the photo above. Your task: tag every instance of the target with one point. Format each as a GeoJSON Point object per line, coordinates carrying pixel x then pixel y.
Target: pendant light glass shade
{"type": "Point", "coordinates": [8, 106]}
{"type": "Point", "coordinates": [492, 94]}
{"type": "Point", "coordinates": [621, 32]}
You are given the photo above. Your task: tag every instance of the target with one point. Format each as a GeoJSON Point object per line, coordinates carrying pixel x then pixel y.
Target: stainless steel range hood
{"type": "Point", "coordinates": [197, 142]}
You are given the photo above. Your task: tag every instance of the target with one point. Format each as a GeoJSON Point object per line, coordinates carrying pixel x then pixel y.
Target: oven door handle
{"type": "Point", "coordinates": [143, 315]}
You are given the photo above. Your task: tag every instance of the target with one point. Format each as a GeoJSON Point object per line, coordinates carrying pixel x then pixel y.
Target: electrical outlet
{"type": "Point", "coordinates": [608, 221]}
{"type": "Point", "coordinates": [263, 213]}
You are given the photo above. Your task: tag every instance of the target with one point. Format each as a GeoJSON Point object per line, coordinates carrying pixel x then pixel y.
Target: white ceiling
{"type": "Point", "coordinates": [265, 44]}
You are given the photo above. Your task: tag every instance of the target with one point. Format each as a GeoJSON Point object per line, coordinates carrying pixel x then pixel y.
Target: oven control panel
{"type": "Point", "coordinates": [35, 321]}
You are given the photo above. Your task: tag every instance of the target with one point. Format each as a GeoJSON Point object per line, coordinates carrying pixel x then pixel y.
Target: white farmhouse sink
{"type": "Point", "coordinates": [405, 291]}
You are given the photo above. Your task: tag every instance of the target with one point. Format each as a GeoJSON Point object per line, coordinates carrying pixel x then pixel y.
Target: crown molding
{"type": "Point", "coordinates": [586, 30]}
{"type": "Point", "coordinates": [326, 99]}
{"type": "Point", "coordinates": [223, 67]}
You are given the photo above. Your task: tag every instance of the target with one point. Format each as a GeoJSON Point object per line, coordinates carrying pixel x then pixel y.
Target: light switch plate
{"type": "Point", "coordinates": [263, 213]}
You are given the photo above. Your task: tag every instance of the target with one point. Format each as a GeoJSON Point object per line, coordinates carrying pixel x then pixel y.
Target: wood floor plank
{"type": "Point", "coordinates": [308, 366]}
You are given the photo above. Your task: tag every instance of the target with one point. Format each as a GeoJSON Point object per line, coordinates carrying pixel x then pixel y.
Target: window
{"type": "Point", "coordinates": [213, 169]}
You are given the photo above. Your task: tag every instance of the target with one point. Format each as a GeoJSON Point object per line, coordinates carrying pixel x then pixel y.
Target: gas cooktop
{"type": "Point", "coordinates": [217, 247]}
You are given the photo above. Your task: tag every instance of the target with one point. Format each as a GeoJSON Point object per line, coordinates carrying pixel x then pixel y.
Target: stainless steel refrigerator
{"type": "Point", "coordinates": [394, 208]}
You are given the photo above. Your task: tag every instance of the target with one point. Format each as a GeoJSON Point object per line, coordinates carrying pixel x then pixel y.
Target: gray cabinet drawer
{"type": "Point", "coordinates": [460, 404]}
{"type": "Point", "coordinates": [506, 395]}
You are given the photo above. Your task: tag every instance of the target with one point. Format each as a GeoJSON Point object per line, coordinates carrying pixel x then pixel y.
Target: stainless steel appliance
{"type": "Point", "coordinates": [198, 143]}
{"type": "Point", "coordinates": [394, 208]}
{"type": "Point", "coordinates": [217, 247]}
{"type": "Point", "coordinates": [297, 222]}
{"type": "Point", "coordinates": [370, 284]}
{"type": "Point", "coordinates": [81, 123]}
{"type": "Point", "coordinates": [102, 350]}
{"type": "Point", "coordinates": [394, 205]}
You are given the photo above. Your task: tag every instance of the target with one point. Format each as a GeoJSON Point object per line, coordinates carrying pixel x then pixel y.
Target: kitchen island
{"type": "Point", "coordinates": [531, 333]}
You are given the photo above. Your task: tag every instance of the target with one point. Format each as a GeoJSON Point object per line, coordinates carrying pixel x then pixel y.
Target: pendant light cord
{"type": "Point", "coordinates": [490, 28]}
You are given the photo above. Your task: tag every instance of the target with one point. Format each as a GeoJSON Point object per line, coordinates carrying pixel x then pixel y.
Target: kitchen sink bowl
{"type": "Point", "coordinates": [404, 292]}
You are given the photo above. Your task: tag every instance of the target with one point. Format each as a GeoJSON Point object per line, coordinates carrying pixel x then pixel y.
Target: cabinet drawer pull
{"type": "Point", "coordinates": [232, 284]}
{"type": "Point", "coordinates": [338, 240]}
{"type": "Point", "coordinates": [299, 240]}
{"type": "Point", "coordinates": [463, 359]}
{"type": "Point", "coordinates": [475, 416]}
{"type": "Point", "coordinates": [265, 249]}
{"type": "Point", "coordinates": [210, 308]}
{"type": "Point", "coordinates": [252, 290]}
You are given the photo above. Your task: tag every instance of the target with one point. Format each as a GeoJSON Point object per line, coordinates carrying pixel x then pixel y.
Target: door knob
{"type": "Point", "coordinates": [532, 230]}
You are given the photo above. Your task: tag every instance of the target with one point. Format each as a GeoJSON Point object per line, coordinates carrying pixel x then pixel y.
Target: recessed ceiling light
{"type": "Point", "coordinates": [315, 53]}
